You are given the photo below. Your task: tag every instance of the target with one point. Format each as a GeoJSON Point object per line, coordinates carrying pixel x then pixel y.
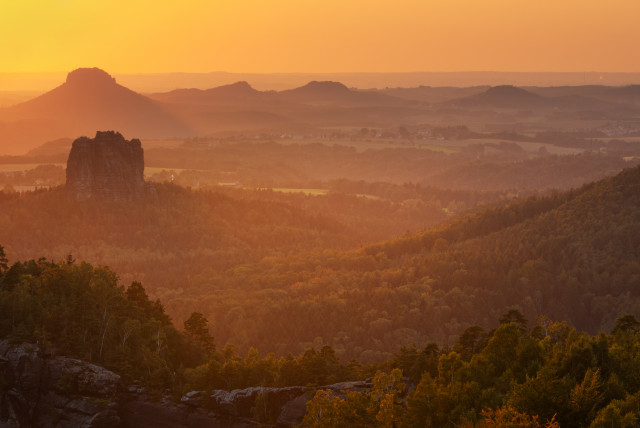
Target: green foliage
{"type": "Point", "coordinates": [570, 256]}
{"type": "Point", "coordinates": [619, 413]}
{"type": "Point", "coordinates": [549, 376]}
{"type": "Point", "coordinates": [508, 417]}
{"type": "Point", "coordinates": [196, 327]}
{"type": "Point", "coordinates": [82, 311]}
{"type": "Point", "coordinates": [225, 369]}
{"type": "Point", "coordinates": [564, 378]}
{"type": "Point", "coordinates": [380, 407]}
{"type": "Point", "coordinates": [3, 262]}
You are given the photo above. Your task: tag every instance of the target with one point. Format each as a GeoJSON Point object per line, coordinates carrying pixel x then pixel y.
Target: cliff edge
{"type": "Point", "coordinates": [107, 166]}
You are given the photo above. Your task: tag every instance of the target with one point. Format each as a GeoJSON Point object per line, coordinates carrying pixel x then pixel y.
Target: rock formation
{"type": "Point", "coordinates": [38, 389]}
{"type": "Point", "coordinates": [107, 166]}
{"type": "Point", "coordinates": [89, 77]}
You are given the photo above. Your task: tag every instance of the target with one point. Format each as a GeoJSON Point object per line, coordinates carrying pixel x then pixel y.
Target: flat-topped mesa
{"type": "Point", "coordinates": [90, 76]}
{"type": "Point", "coordinates": [106, 167]}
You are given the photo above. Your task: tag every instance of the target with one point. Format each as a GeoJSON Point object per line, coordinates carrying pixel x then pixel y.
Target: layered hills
{"type": "Point", "coordinates": [572, 256]}
{"type": "Point", "coordinates": [88, 100]}
{"type": "Point", "coordinates": [246, 263]}
{"type": "Point", "coordinates": [511, 97]}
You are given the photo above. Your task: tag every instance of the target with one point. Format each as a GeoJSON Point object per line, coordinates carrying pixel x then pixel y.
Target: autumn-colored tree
{"type": "Point", "coordinates": [508, 417]}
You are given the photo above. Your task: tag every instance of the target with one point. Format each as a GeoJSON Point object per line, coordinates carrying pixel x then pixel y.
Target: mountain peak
{"type": "Point", "coordinates": [90, 76]}
{"type": "Point", "coordinates": [241, 84]}
{"type": "Point", "coordinates": [506, 96]}
{"type": "Point", "coordinates": [326, 85]}
{"type": "Point", "coordinates": [507, 90]}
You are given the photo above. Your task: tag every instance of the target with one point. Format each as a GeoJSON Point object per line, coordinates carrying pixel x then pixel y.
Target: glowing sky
{"type": "Point", "coordinates": [130, 36]}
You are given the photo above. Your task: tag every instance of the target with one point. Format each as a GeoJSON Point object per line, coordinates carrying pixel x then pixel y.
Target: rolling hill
{"type": "Point", "coordinates": [244, 263]}
{"type": "Point", "coordinates": [89, 99]}
{"type": "Point", "coordinates": [512, 97]}
{"type": "Point", "coordinates": [616, 94]}
{"type": "Point", "coordinates": [336, 94]}
{"type": "Point", "coordinates": [573, 256]}
{"type": "Point", "coordinates": [236, 94]}
{"type": "Point", "coordinates": [240, 107]}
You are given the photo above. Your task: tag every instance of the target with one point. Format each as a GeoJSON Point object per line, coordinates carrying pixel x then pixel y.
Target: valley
{"type": "Point", "coordinates": [323, 234]}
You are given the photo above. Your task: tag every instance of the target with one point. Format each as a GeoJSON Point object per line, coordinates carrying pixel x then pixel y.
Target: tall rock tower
{"type": "Point", "coordinates": [105, 167]}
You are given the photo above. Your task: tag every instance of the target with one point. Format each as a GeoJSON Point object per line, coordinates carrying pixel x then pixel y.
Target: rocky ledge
{"type": "Point", "coordinates": [38, 389]}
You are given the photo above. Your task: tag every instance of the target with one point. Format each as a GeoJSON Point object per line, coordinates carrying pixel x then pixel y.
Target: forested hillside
{"type": "Point", "coordinates": [538, 374]}
{"type": "Point", "coordinates": [176, 234]}
{"type": "Point", "coordinates": [271, 271]}
{"type": "Point", "coordinates": [572, 256]}
{"type": "Point", "coordinates": [549, 375]}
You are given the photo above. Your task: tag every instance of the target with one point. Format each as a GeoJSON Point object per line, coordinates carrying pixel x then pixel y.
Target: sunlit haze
{"type": "Point", "coordinates": [141, 36]}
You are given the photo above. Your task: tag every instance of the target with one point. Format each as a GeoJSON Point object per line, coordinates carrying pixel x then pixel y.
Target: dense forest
{"type": "Point", "coordinates": [271, 270]}
{"type": "Point", "coordinates": [544, 375]}
{"type": "Point", "coordinates": [572, 256]}
{"type": "Point", "coordinates": [549, 375]}
{"type": "Point", "coordinates": [176, 233]}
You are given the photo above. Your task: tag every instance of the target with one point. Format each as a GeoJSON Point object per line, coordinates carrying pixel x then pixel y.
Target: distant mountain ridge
{"type": "Point", "coordinates": [325, 93]}
{"type": "Point", "coordinates": [502, 96]}
{"type": "Point", "coordinates": [240, 107]}
{"type": "Point", "coordinates": [89, 99]}
{"type": "Point", "coordinates": [238, 93]}
{"type": "Point", "coordinates": [512, 97]}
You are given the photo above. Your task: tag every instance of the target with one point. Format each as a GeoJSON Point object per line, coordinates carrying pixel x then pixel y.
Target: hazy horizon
{"type": "Point", "coordinates": [159, 82]}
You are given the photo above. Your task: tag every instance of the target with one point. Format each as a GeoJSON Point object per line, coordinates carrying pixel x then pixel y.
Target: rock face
{"type": "Point", "coordinates": [46, 391]}
{"type": "Point", "coordinates": [107, 167]}
{"type": "Point", "coordinates": [283, 407]}
{"type": "Point", "coordinates": [42, 390]}
{"type": "Point", "coordinates": [89, 77]}
{"type": "Point", "coordinates": [138, 410]}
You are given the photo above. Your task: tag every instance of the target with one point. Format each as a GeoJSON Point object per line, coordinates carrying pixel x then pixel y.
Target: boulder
{"type": "Point", "coordinates": [40, 390]}
{"type": "Point", "coordinates": [141, 411]}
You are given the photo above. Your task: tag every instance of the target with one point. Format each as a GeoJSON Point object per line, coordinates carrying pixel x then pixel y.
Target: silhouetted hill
{"type": "Point", "coordinates": [432, 94]}
{"type": "Point", "coordinates": [239, 93]}
{"type": "Point", "coordinates": [240, 107]}
{"type": "Point", "coordinates": [549, 172]}
{"type": "Point", "coordinates": [505, 96]}
{"type": "Point", "coordinates": [616, 94]}
{"type": "Point", "coordinates": [90, 99]}
{"type": "Point", "coordinates": [58, 147]}
{"type": "Point", "coordinates": [337, 94]}
{"type": "Point", "coordinates": [511, 97]}
{"type": "Point", "coordinates": [313, 93]}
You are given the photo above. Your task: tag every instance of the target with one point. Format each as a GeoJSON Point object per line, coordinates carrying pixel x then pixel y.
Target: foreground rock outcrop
{"type": "Point", "coordinates": [107, 166]}
{"type": "Point", "coordinates": [283, 407]}
{"type": "Point", "coordinates": [38, 389]}
{"type": "Point", "coordinates": [47, 391]}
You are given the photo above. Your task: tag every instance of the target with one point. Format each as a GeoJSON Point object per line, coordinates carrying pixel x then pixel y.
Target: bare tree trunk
{"type": "Point", "coordinates": [105, 321]}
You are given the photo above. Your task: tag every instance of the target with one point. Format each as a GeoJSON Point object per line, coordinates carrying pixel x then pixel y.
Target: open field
{"type": "Point", "coordinates": [311, 192]}
{"type": "Point", "coordinates": [10, 167]}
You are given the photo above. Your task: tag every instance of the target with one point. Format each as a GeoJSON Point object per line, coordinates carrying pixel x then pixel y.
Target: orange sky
{"type": "Point", "coordinates": [131, 36]}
